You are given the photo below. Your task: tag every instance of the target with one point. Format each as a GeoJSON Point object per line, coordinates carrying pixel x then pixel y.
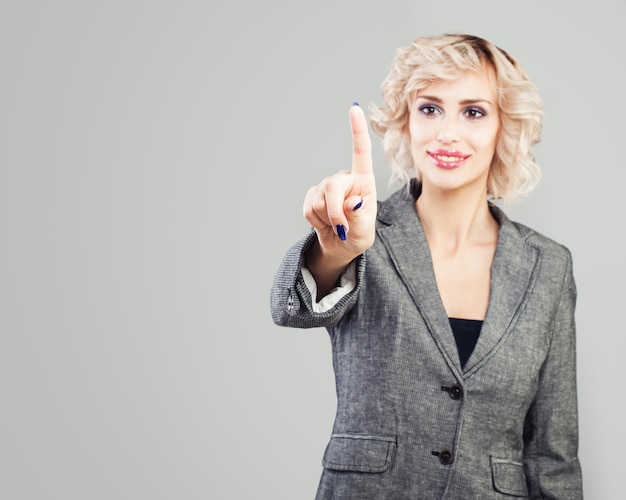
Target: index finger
{"type": "Point", "coordinates": [361, 143]}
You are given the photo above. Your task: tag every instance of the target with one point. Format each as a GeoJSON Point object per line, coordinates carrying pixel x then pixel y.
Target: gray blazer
{"type": "Point", "coordinates": [410, 422]}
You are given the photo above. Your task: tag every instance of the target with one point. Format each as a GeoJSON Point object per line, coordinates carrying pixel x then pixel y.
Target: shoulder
{"type": "Point", "coordinates": [552, 252]}
{"type": "Point", "coordinates": [543, 243]}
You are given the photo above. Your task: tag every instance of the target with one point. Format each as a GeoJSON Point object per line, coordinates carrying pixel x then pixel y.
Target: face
{"type": "Point", "coordinates": [453, 128]}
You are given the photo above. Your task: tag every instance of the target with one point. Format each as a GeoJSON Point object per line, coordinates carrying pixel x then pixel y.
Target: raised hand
{"type": "Point", "coordinates": [342, 210]}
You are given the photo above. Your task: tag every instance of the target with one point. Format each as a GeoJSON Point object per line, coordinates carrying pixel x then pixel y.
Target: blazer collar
{"type": "Point", "coordinates": [512, 275]}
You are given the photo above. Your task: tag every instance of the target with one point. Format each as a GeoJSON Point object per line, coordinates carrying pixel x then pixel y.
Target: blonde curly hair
{"type": "Point", "coordinates": [444, 57]}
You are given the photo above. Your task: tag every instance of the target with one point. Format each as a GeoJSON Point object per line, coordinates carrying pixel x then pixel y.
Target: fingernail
{"type": "Point", "coordinates": [354, 103]}
{"type": "Point", "coordinates": [357, 206]}
{"type": "Point", "coordinates": [341, 232]}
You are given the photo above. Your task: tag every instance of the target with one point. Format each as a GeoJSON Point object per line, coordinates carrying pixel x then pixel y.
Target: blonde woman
{"type": "Point", "coordinates": [452, 327]}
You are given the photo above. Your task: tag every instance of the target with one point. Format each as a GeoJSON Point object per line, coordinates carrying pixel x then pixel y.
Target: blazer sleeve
{"type": "Point", "coordinates": [551, 426]}
{"type": "Point", "coordinates": [291, 303]}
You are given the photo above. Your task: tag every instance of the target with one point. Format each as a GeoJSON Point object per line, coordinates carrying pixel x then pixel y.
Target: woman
{"type": "Point", "coordinates": [452, 327]}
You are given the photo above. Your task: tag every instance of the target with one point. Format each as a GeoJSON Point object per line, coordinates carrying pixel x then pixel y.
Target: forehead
{"type": "Point", "coordinates": [469, 85]}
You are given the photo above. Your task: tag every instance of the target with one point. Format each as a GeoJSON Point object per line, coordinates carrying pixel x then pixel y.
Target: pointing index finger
{"type": "Point", "coordinates": [361, 143]}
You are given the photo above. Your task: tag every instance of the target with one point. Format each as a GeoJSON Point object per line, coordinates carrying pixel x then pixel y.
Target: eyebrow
{"type": "Point", "coordinates": [464, 102]}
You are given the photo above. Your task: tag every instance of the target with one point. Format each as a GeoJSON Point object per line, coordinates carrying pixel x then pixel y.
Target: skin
{"type": "Point", "coordinates": [460, 117]}
{"type": "Point", "coordinates": [332, 203]}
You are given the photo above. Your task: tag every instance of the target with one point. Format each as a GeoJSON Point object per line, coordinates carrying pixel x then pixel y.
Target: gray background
{"type": "Point", "coordinates": [153, 161]}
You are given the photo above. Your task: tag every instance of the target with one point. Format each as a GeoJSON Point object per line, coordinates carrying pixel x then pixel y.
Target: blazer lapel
{"type": "Point", "coordinates": [512, 273]}
{"type": "Point", "coordinates": [402, 233]}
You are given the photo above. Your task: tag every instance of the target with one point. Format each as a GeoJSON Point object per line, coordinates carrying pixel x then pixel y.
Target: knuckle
{"type": "Point", "coordinates": [307, 210]}
{"type": "Point", "coordinates": [319, 205]}
{"type": "Point", "coordinates": [336, 182]}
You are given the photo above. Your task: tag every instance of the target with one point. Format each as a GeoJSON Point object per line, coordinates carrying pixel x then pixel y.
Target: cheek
{"type": "Point", "coordinates": [485, 140]}
{"type": "Point", "coordinates": [419, 134]}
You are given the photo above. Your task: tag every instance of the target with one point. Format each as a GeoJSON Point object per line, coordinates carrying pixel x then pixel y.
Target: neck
{"type": "Point", "coordinates": [455, 218]}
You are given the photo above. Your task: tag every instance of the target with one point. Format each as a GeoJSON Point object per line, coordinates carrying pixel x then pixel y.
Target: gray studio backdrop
{"type": "Point", "coordinates": [153, 161]}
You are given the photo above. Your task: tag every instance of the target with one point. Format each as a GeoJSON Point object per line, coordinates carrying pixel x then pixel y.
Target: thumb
{"type": "Point", "coordinates": [351, 205]}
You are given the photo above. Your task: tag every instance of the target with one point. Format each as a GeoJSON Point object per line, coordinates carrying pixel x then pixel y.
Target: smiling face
{"type": "Point", "coordinates": [454, 128]}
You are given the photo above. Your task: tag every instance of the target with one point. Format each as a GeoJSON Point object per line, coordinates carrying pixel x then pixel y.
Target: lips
{"type": "Point", "coordinates": [447, 159]}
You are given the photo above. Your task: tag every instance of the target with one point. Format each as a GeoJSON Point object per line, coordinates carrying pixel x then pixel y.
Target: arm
{"type": "Point", "coordinates": [342, 211]}
{"type": "Point", "coordinates": [551, 426]}
{"type": "Point", "coordinates": [291, 301]}
{"type": "Point", "coordinates": [326, 268]}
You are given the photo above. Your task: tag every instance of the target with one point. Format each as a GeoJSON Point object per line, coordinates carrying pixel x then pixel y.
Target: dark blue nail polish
{"type": "Point", "coordinates": [357, 206]}
{"type": "Point", "coordinates": [354, 103]}
{"type": "Point", "coordinates": [341, 232]}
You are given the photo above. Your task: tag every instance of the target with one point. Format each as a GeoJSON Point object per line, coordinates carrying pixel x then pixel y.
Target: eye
{"type": "Point", "coordinates": [474, 113]}
{"type": "Point", "coordinates": [429, 110]}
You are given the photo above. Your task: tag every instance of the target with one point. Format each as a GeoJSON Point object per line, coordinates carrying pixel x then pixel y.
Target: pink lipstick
{"type": "Point", "coordinates": [445, 158]}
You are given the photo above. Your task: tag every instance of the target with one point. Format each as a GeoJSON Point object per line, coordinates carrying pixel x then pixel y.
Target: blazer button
{"type": "Point", "coordinates": [454, 391]}
{"type": "Point", "coordinates": [446, 457]}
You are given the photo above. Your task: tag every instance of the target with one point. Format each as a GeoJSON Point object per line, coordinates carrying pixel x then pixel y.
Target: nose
{"type": "Point", "coordinates": [448, 132]}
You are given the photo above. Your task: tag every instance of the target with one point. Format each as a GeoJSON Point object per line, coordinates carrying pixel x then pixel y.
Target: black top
{"type": "Point", "coordinates": [466, 332]}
